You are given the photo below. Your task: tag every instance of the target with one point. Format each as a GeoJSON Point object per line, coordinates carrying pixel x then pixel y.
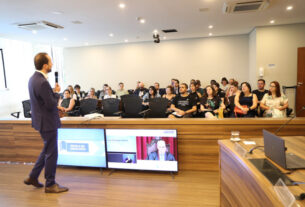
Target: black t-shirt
{"type": "Point", "coordinates": [184, 103]}
{"type": "Point", "coordinates": [213, 103]}
{"type": "Point", "coordinates": [195, 97]}
{"type": "Point", "coordinates": [221, 93]}
{"type": "Point", "coordinates": [260, 94]}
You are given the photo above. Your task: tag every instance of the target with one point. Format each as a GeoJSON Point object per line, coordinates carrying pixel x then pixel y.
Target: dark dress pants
{"type": "Point", "coordinates": [47, 158]}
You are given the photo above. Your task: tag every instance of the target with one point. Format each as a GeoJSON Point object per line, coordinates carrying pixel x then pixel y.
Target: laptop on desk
{"type": "Point", "coordinates": [276, 151]}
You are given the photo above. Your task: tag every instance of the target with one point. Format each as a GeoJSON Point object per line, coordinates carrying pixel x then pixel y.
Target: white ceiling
{"type": "Point", "coordinates": [102, 17]}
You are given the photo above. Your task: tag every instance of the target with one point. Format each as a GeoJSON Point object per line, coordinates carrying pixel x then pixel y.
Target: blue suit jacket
{"type": "Point", "coordinates": [154, 156]}
{"type": "Point", "coordinates": [44, 102]}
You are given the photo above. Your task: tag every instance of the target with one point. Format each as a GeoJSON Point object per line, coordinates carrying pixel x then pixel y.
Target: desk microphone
{"type": "Point", "coordinates": [56, 77]}
{"type": "Point", "coordinates": [287, 122]}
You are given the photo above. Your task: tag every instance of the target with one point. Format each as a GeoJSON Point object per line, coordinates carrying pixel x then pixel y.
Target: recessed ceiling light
{"type": "Point", "coordinates": [86, 43]}
{"type": "Point", "coordinates": [289, 8]}
{"type": "Point", "coordinates": [210, 34]}
{"type": "Point", "coordinates": [122, 6]}
{"type": "Point", "coordinates": [111, 35]}
{"type": "Point", "coordinates": [164, 38]}
{"type": "Point", "coordinates": [34, 31]}
{"type": "Point", "coordinates": [211, 26]}
{"type": "Point", "coordinates": [272, 21]}
{"type": "Point", "coordinates": [65, 39]}
{"type": "Point", "coordinates": [155, 31]}
{"type": "Point", "coordinates": [141, 20]}
{"type": "Point", "coordinates": [126, 40]}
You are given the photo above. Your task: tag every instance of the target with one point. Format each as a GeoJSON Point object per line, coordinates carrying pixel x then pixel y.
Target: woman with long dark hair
{"type": "Point", "coordinates": [274, 103]}
{"type": "Point", "coordinates": [210, 103]}
{"type": "Point", "coordinates": [152, 93]}
{"type": "Point", "coordinates": [245, 101]}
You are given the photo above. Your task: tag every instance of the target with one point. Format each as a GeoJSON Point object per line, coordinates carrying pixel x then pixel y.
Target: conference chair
{"type": "Point", "coordinates": [88, 106]}
{"type": "Point", "coordinates": [26, 109]}
{"type": "Point", "coordinates": [110, 106]}
{"type": "Point", "coordinates": [157, 108]}
{"type": "Point", "coordinates": [132, 106]}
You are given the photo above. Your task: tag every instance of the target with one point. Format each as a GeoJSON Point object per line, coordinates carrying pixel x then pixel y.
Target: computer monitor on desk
{"type": "Point", "coordinates": [276, 151]}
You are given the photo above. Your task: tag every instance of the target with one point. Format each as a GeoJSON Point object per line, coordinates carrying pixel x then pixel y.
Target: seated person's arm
{"type": "Point", "coordinates": [285, 106]}
{"type": "Point", "coordinates": [176, 109]}
{"type": "Point", "coordinates": [263, 103]}
{"type": "Point", "coordinates": [254, 105]}
{"type": "Point", "coordinates": [71, 105]}
{"type": "Point", "coordinates": [193, 109]}
{"type": "Point", "coordinates": [59, 105]}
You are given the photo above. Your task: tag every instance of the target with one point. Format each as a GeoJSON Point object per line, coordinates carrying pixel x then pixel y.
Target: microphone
{"type": "Point", "coordinates": [287, 122]}
{"type": "Point", "coordinates": [56, 77]}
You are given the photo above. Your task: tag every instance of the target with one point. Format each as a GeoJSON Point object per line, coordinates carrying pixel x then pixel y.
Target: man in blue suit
{"type": "Point", "coordinates": [45, 119]}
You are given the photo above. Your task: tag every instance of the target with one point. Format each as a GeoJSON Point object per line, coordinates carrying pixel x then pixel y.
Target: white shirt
{"type": "Point", "coordinates": [107, 96]}
{"type": "Point", "coordinates": [44, 75]}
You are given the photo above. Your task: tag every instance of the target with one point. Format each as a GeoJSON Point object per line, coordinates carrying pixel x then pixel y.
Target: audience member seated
{"type": "Point", "coordinates": [274, 103]}
{"type": "Point", "coordinates": [245, 102]}
{"type": "Point", "coordinates": [160, 91]}
{"type": "Point", "coordinates": [231, 97]}
{"type": "Point", "coordinates": [121, 91]}
{"type": "Point", "coordinates": [67, 103]}
{"type": "Point", "coordinates": [72, 93]}
{"type": "Point", "coordinates": [141, 91]}
{"type": "Point", "coordinates": [219, 92]}
{"type": "Point", "coordinates": [212, 82]}
{"type": "Point", "coordinates": [176, 86]}
{"type": "Point", "coordinates": [169, 94]}
{"type": "Point", "coordinates": [109, 93]}
{"type": "Point", "coordinates": [162, 154]}
{"type": "Point", "coordinates": [231, 81]}
{"type": "Point", "coordinates": [183, 105]}
{"type": "Point", "coordinates": [225, 84]}
{"type": "Point", "coordinates": [79, 94]}
{"type": "Point", "coordinates": [198, 87]}
{"type": "Point", "coordinates": [91, 94]}
{"type": "Point", "coordinates": [137, 85]}
{"type": "Point", "coordinates": [150, 94]}
{"type": "Point", "coordinates": [210, 103]}
{"type": "Point", "coordinates": [194, 93]}
{"type": "Point", "coordinates": [260, 92]}
{"type": "Point", "coordinates": [103, 92]}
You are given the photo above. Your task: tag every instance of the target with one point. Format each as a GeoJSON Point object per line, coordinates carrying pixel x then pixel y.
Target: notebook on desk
{"type": "Point", "coordinates": [276, 151]}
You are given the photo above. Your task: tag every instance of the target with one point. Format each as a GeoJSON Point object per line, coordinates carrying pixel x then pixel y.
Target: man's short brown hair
{"type": "Point", "coordinates": [41, 59]}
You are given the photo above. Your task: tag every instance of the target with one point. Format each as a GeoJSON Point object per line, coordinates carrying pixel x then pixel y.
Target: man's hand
{"type": "Point", "coordinates": [57, 88]}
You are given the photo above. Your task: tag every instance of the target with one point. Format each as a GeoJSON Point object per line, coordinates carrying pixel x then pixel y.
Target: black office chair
{"type": "Point", "coordinates": [157, 108]}
{"type": "Point", "coordinates": [110, 106]}
{"type": "Point", "coordinates": [26, 109]}
{"type": "Point", "coordinates": [289, 111]}
{"type": "Point", "coordinates": [88, 106]}
{"type": "Point", "coordinates": [132, 106]}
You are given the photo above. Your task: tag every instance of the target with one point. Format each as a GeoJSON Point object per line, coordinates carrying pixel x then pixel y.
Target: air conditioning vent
{"type": "Point", "coordinates": [169, 30]}
{"type": "Point", "coordinates": [245, 6]}
{"type": "Point", "coordinates": [39, 26]}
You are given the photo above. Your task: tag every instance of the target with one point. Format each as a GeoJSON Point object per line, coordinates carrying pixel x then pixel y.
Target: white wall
{"type": "Point", "coordinates": [204, 59]}
{"type": "Point", "coordinates": [19, 66]}
{"type": "Point", "coordinates": [278, 45]}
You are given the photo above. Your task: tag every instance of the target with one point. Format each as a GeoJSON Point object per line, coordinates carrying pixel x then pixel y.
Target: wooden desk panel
{"type": "Point", "coordinates": [241, 184]}
{"type": "Point", "coordinates": [197, 138]}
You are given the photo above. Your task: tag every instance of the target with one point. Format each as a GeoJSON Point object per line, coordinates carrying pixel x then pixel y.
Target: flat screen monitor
{"type": "Point", "coordinates": [142, 149]}
{"type": "Point", "coordinates": [81, 147]}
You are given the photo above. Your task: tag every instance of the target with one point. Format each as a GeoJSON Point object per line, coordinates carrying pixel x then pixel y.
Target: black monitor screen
{"type": "Point", "coordinates": [142, 149]}
{"type": "Point", "coordinates": [81, 147]}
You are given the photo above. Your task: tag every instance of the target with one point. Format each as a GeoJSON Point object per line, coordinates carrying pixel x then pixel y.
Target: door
{"type": "Point", "coordinates": [300, 99]}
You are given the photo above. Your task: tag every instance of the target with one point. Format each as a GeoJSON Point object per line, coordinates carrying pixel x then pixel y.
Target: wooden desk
{"type": "Point", "coordinates": [242, 184]}
{"type": "Point", "coordinates": [197, 138]}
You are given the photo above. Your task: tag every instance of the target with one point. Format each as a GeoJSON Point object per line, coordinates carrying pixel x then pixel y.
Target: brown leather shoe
{"type": "Point", "coordinates": [55, 189]}
{"type": "Point", "coordinates": [34, 182]}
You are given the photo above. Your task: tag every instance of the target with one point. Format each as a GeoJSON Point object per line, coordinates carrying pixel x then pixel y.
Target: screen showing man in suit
{"type": "Point", "coordinates": [45, 119]}
{"type": "Point", "coordinates": [143, 149]}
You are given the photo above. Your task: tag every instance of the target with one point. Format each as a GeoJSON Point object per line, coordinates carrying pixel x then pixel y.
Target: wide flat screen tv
{"type": "Point", "coordinates": [142, 149]}
{"type": "Point", "coordinates": [81, 147]}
